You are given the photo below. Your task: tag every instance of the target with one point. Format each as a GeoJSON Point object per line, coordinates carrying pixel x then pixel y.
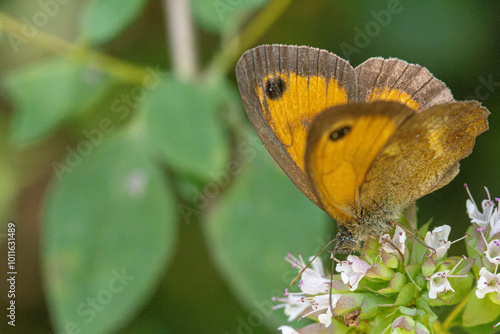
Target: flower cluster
{"type": "Point", "coordinates": [484, 246]}
{"type": "Point", "coordinates": [394, 284]}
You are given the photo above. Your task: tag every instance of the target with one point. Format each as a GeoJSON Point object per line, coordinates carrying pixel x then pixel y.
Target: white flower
{"type": "Point", "coordinates": [438, 239]}
{"type": "Point", "coordinates": [398, 240]}
{"type": "Point", "coordinates": [314, 297]}
{"type": "Point", "coordinates": [287, 330]}
{"type": "Point", "coordinates": [493, 252]}
{"type": "Point", "coordinates": [439, 281]}
{"type": "Point", "coordinates": [439, 284]}
{"type": "Point", "coordinates": [480, 218]}
{"type": "Point", "coordinates": [294, 303]}
{"type": "Point", "coordinates": [495, 222]}
{"type": "Point", "coordinates": [313, 279]}
{"type": "Point", "coordinates": [488, 282]}
{"type": "Point", "coordinates": [326, 318]}
{"type": "Point", "coordinates": [323, 303]}
{"type": "Point", "coordinates": [352, 271]}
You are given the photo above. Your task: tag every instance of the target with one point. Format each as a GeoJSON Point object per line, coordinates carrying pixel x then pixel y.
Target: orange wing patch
{"type": "Point", "coordinates": [392, 94]}
{"type": "Point", "coordinates": [341, 151]}
{"type": "Point", "coordinates": [290, 102]}
{"type": "Point", "coordinates": [353, 158]}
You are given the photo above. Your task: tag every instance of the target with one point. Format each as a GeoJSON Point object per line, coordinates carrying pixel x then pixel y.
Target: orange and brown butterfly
{"type": "Point", "coordinates": [362, 143]}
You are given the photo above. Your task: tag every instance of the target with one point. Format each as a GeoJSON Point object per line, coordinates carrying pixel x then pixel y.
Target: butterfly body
{"type": "Point", "coordinates": [361, 143]}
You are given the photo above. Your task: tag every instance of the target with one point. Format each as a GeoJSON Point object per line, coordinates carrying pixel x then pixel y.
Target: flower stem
{"type": "Point", "coordinates": [123, 70]}
{"type": "Point", "coordinates": [438, 328]}
{"type": "Point", "coordinates": [447, 324]}
{"type": "Point", "coordinates": [182, 38]}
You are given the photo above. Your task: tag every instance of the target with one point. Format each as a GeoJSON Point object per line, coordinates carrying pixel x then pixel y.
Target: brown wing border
{"type": "Point", "coordinates": [303, 60]}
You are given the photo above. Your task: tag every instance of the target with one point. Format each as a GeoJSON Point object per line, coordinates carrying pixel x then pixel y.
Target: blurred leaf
{"type": "Point", "coordinates": [406, 294]}
{"type": "Point", "coordinates": [219, 15]}
{"type": "Point", "coordinates": [425, 314]}
{"type": "Point", "coordinates": [110, 228]}
{"type": "Point", "coordinates": [479, 312]}
{"type": "Point", "coordinates": [103, 20]}
{"type": "Point", "coordinates": [48, 93]}
{"type": "Point", "coordinates": [484, 329]}
{"type": "Point", "coordinates": [183, 124]}
{"type": "Point", "coordinates": [261, 218]}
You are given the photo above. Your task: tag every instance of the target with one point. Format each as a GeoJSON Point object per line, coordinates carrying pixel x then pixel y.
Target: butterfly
{"type": "Point", "coordinates": [361, 143]}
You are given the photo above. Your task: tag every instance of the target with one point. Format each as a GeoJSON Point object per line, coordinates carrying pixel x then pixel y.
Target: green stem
{"type": "Point", "coordinates": [438, 328]}
{"type": "Point", "coordinates": [225, 60]}
{"type": "Point", "coordinates": [447, 324]}
{"type": "Point", "coordinates": [120, 69]}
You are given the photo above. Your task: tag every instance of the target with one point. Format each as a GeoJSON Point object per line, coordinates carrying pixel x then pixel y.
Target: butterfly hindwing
{"type": "Point", "coordinates": [423, 154]}
{"type": "Point", "coordinates": [343, 143]}
{"type": "Point", "coordinates": [395, 79]}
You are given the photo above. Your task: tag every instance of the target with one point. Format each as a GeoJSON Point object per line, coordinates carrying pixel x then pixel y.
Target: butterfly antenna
{"type": "Point", "coordinates": [314, 258]}
{"type": "Point", "coordinates": [433, 251]}
{"type": "Point", "coordinates": [412, 226]}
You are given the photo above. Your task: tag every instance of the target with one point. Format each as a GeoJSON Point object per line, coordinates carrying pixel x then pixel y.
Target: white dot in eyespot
{"type": "Point", "coordinates": [136, 182]}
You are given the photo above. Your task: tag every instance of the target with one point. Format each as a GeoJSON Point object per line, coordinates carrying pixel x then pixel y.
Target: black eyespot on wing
{"type": "Point", "coordinates": [275, 88]}
{"type": "Point", "coordinates": [339, 133]}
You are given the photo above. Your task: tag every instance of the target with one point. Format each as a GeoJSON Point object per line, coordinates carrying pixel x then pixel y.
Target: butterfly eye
{"type": "Point", "coordinates": [275, 87]}
{"type": "Point", "coordinates": [339, 133]}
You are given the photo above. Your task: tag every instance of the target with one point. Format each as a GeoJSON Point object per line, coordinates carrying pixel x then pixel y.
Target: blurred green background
{"type": "Point", "coordinates": [143, 201]}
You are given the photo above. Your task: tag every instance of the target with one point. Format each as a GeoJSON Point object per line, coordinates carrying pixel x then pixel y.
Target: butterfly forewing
{"type": "Point", "coordinates": [283, 89]}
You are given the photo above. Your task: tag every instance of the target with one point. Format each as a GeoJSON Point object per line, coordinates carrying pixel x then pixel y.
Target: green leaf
{"type": "Point", "coordinates": [336, 327]}
{"type": "Point", "coordinates": [380, 271]}
{"type": "Point", "coordinates": [413, 270]}
{"type": "Point", "coordinates": [370, 306]}
{"type": "Point", "coordinates": [382, 325]}
{"type": "Point", "coordinates": [425, 315]}
{"type": "Point", "coordinates": [479, 311]}
{"type": "Point", "coordinates": [429, 267]}
{"type": "Point", "coordinates": [260, 219]}
{"type": "Point", "coordinates": [406, 294]}
{"type": "Point", "coordinates": [220, 15]}
{"type": "Point", "coordinates": [109, 232]}
{"type": "Point", "coordinates": [425, 227]}
{"type": "Point", "coordinates": [183, 125]}
{"type": "Point", "coordinates": [351, 301]}
{"type": "Point", "coordinates": [494, 298]}
{"type": "Point", "coordinates": [390, 260]}
{"type": "Point", "coordinates": [397, 282]}
{"type": "Point", "coordinates": [48, 93]}
{"type": "Point", "coordinates": [462, 286]}
{"type": "Point", "coordinates": [103, 20]}
{"type": "Point", "coordinates": [403, 324]}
